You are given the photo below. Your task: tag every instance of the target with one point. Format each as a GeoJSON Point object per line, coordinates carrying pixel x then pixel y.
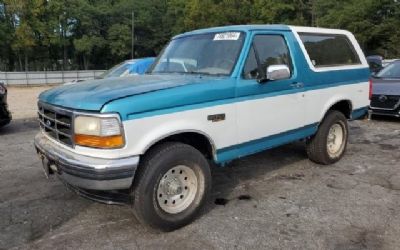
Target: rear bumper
{"type": "Point", "coordinates": [384, 112]}
{"type": "Point", "coordinates": [85, 171]}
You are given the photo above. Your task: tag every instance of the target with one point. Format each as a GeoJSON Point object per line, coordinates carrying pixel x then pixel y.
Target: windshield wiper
{"type": "Point", "coordinates": [204, 73]}
{"type": "Point", "coordinates": [166, 72]}
{"type": "Point", "coordinates": [181, 72]}
{"type": "Point", "coordinates": [188, 73]}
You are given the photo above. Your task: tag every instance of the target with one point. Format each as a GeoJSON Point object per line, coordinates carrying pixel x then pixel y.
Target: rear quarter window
{"type": "Point", "coordinates": [329, 50]}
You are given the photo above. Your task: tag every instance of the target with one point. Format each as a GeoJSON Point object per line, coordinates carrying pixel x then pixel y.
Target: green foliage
{"type": "Point", "coordinates": [86, 44]}
{"type": "Point", "coordinates": [55, 34]}
{"type": "Point", "coordinates": [119, 38]}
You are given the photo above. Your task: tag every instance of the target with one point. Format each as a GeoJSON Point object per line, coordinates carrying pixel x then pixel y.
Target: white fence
{"type": "Point", "coordinates": [46, 77]}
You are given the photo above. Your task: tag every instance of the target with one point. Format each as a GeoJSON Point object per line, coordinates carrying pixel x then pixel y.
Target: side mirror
{"type": "Point", "coordinates": [278, 72]}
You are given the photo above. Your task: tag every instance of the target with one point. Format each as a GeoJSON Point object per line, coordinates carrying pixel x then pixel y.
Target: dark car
{"type": "Point", "coordinates": [5, 116]}
{"type": "Point", "coordinates": [386, 91]}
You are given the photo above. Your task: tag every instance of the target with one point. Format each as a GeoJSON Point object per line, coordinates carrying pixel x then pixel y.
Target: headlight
{"type": "Point", "coordinates": [98, 132]}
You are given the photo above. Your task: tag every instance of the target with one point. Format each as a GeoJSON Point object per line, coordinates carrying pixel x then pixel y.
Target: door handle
{"type": "Point", "coordinates": [297, 85]}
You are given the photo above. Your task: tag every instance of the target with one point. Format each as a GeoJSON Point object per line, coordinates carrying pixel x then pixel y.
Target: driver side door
{"type": "Point", "coordinates": [272, 112]}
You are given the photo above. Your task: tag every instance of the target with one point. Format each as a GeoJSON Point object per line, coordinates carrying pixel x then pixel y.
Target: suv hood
{"type": "Point", "coordinates": [92, 95]}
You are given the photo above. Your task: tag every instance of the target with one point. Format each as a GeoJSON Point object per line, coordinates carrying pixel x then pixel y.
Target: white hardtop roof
{"type": "Point", "coordinates": [300, 29]}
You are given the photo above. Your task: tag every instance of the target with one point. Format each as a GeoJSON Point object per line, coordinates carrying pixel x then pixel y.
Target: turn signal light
{"type": "Point", "coordinates": [104, 142]}
{"type": "Point", "coordinates": [370, 89]}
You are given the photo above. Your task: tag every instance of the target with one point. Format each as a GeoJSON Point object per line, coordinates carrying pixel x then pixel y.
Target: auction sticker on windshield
{"type": "Point", "coordinates": [227, 36]}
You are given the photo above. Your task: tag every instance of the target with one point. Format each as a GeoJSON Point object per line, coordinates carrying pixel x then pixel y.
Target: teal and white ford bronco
{"type": "Point", "coordinates": [212, 96]}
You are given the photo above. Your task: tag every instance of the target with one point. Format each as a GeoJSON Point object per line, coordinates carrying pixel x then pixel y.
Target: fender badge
{"type": "Point", "coordinates": [216, 118]}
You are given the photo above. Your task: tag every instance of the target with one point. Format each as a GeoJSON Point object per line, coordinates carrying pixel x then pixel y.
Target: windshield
{"type": "Point", "coordinates": [210, 54]}
{"type": "Point", "coordinates": [390, 71]}
{"type": "Point", "coordinates": [121, 69]}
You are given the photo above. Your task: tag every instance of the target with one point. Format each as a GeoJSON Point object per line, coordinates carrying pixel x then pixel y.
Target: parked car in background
{"type": "Point", "coordinates": [126, 68]}
{"type": "Point", "coordinates": [129, 68]}
{"type": "Point", "coordinates": [213, 96]}
{"type": "Point", "coordinates": [386, 62]}
{"type": "Point", "coordinates": [5, 115]}
{"type": "Point", "coordinates": [386, 91]}
{"type": "Point", "coordinates": [375, 63]}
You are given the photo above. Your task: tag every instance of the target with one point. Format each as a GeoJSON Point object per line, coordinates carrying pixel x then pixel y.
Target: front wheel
{"type": "Point", "coordinates": [329, 144]}
{"type": "Point", "coordinates": [173, 182]}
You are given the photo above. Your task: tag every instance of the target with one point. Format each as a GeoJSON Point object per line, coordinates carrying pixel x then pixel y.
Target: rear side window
{"type": "Point", "coordinates": [327, 50]}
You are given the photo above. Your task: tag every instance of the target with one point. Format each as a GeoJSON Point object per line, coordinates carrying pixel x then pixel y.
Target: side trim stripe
{"type": "Point", "coordinates": [255, 146]}
{"type": "Point", "coordinates": [359, 113]}
{"type": "Point", "coordinates": [235, 100]}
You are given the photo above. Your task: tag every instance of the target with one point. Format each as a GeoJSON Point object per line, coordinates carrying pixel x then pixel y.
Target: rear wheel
{"type": "Point", "coordinates": [329, 144]}
{"type": "Point", "coordinates": [173, 182]}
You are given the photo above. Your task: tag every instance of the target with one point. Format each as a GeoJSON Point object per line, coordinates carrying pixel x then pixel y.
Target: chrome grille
{"type": "Point", "coordinates": [56, 122]}
{"type": "Point", "coordinates": [386, 102]}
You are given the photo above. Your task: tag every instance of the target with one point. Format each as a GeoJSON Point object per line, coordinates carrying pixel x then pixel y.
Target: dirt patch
{"type": "Point", "coordinates": [23, 101]}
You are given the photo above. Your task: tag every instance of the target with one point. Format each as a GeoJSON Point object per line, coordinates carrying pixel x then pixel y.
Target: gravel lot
{"type": "Point", "coordinates": [22, 101]}
{"type": "Point", "coordinates": [273, 200]}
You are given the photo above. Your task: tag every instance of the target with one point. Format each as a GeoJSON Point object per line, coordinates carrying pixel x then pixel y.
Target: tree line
{"type": "Point", "coordinates": [96, 34]}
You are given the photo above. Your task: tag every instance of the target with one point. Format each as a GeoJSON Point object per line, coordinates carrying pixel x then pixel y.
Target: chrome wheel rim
{"type": "Point", "coordinates": [335, 140]}
{"type": "Point", "coordinates": [177, 189]}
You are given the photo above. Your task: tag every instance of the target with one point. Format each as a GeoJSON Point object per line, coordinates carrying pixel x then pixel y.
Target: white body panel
{"type": "Point", "coordinates": [319, 101]}
{"type": "Point", "coordinates": [260, 118]}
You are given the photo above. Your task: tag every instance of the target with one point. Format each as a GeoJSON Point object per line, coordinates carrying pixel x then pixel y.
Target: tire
{"type": "Point", "coordinates": [329, 144]}
{"type": "Point", "coordinates": [172, 185]}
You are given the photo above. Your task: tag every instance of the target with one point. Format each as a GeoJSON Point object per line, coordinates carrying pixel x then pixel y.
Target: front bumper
{"type": "Point", "coordinates": [4, 121]}
{"type": "Point", "coordinates": [84, 171]}
{"type": "Point", "coordinates": [5, 116]}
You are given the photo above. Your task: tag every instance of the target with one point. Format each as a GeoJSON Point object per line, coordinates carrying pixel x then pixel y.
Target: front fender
{"type": "Point", "coordinates": [142, 133]}
{"type": "Point", "coordinates": [163, 130]}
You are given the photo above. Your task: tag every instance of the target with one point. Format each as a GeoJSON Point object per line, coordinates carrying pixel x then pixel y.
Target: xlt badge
{"type": "Point", "coordinates": [216, 117]}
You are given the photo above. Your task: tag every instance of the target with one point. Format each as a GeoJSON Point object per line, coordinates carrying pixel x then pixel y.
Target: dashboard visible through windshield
{"type": "Point", "coordinates": [209, 54]}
